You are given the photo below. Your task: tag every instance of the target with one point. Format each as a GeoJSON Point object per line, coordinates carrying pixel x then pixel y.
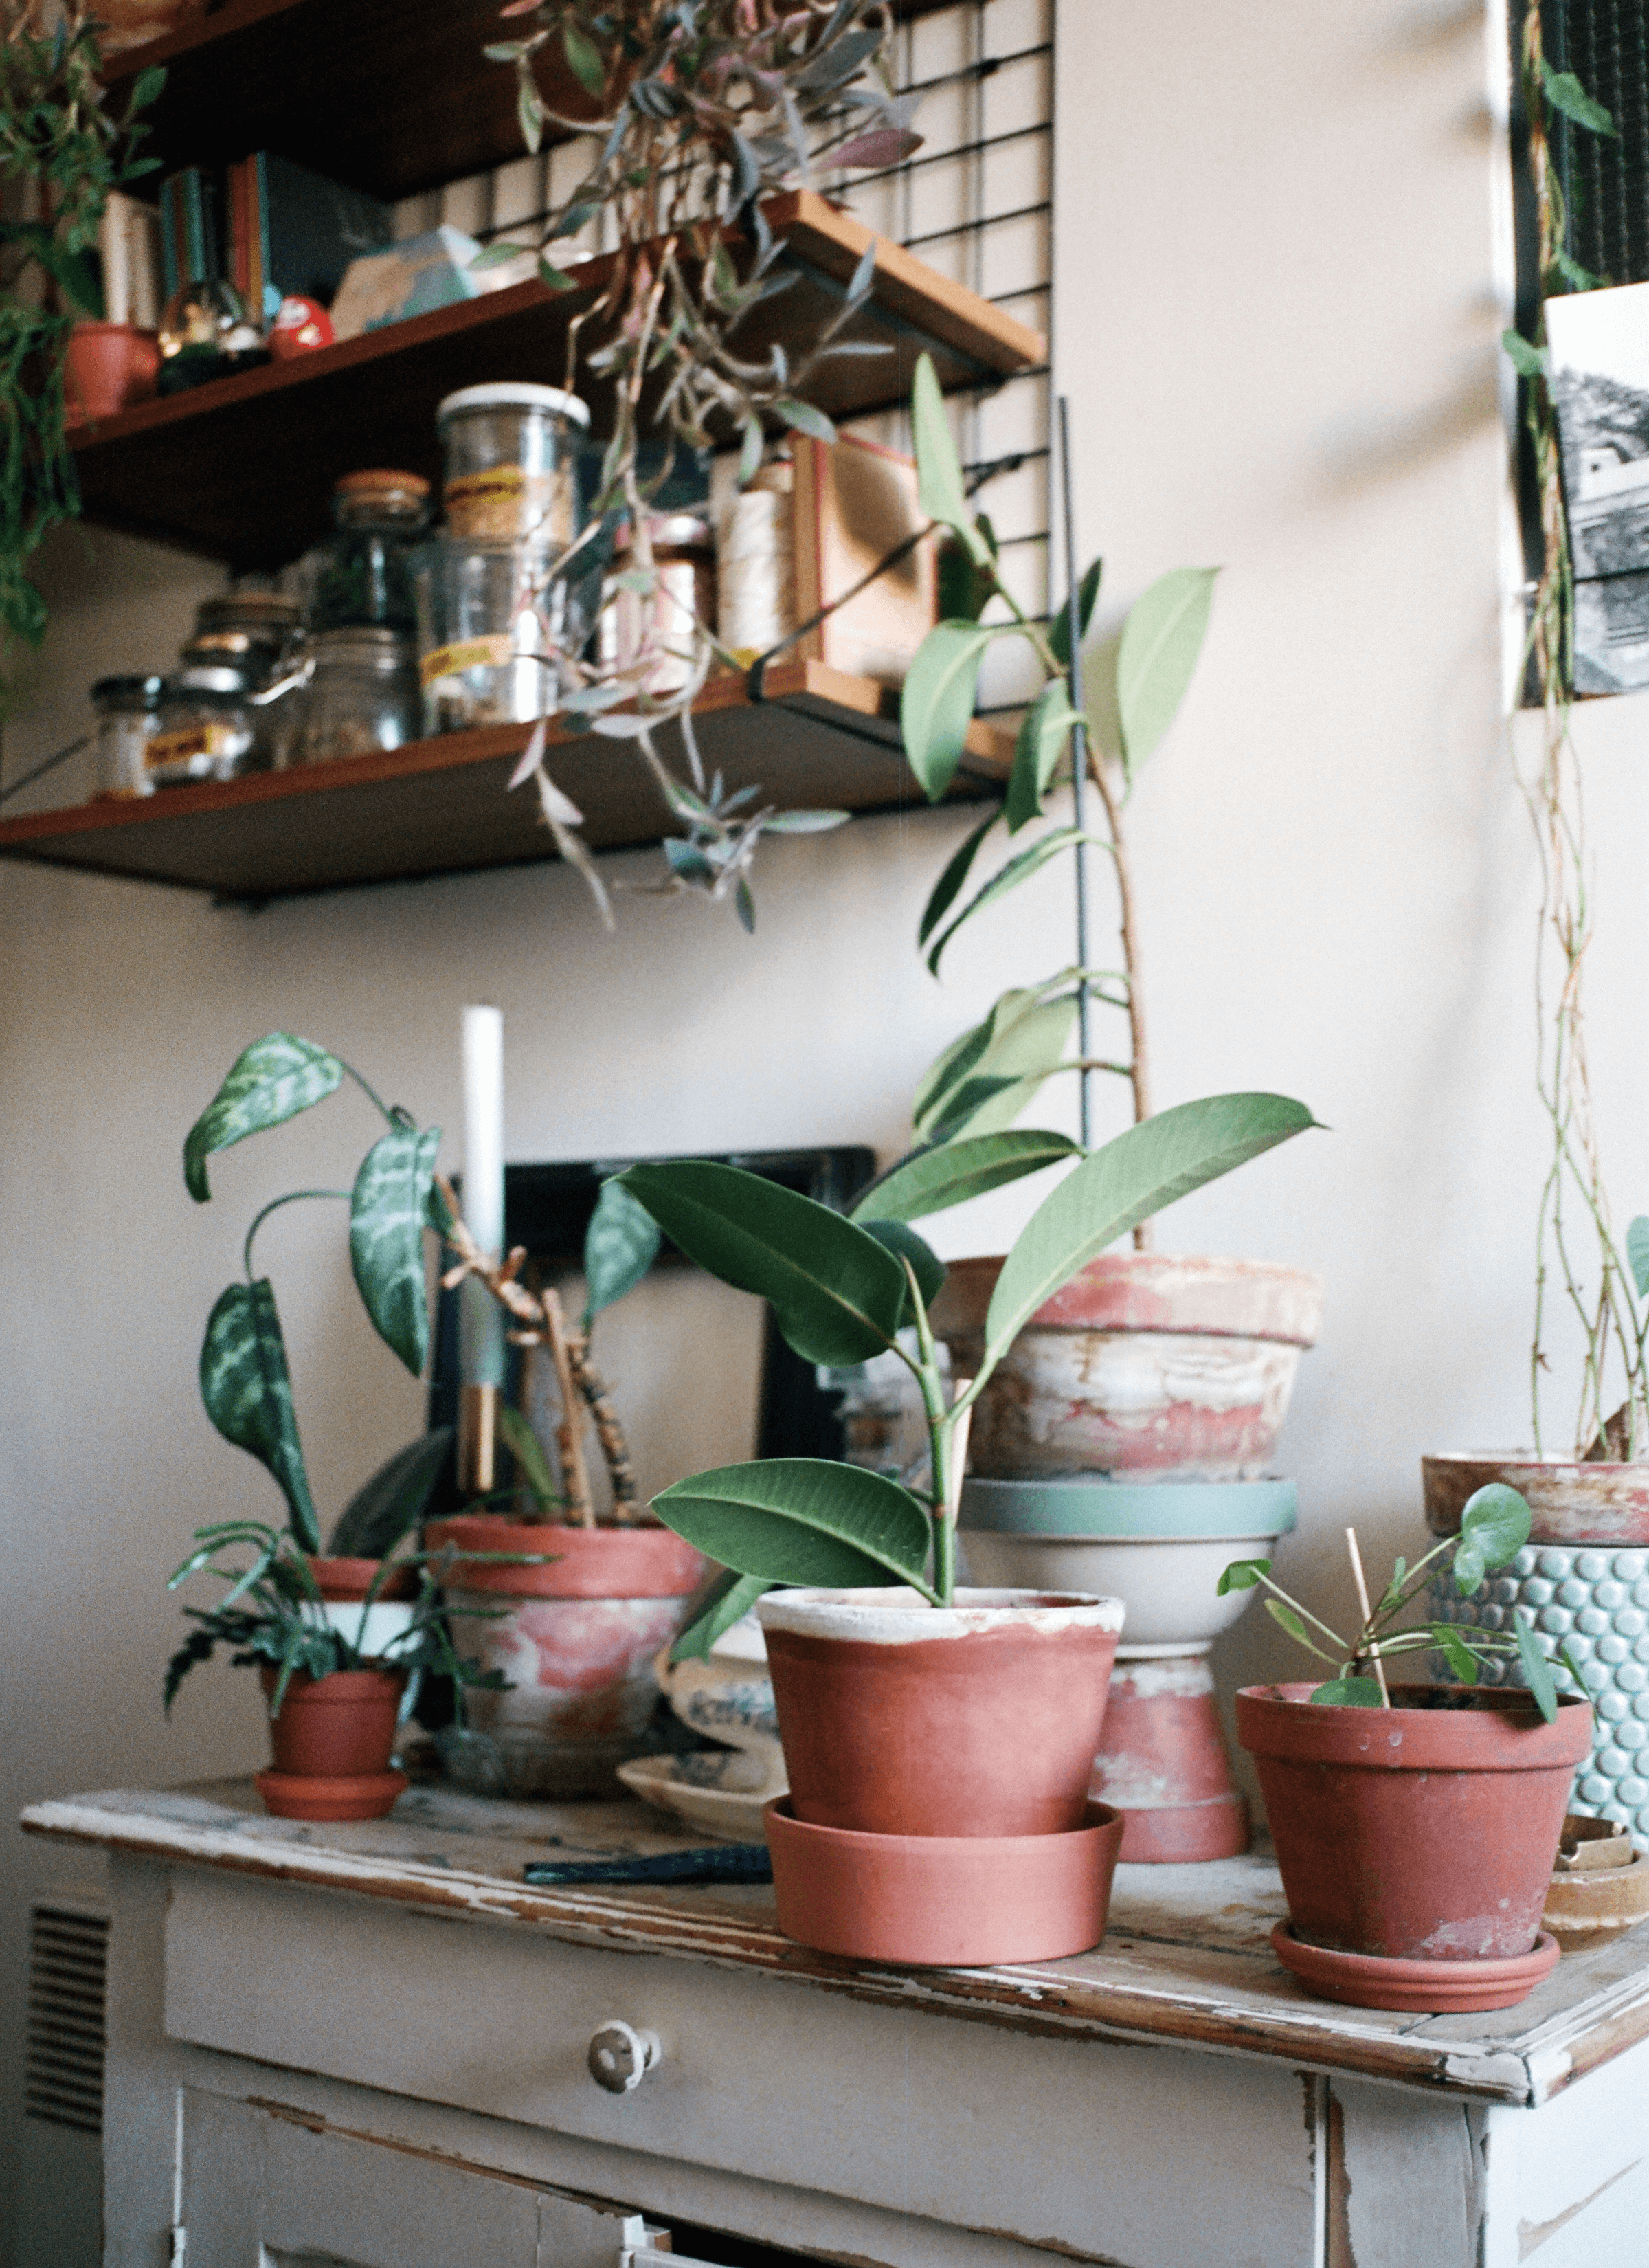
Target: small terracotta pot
{"type": "Point", "coordinates": [1146, 1365]}
{"type": "Point", "coordinates": [107, 367]}
{"type": "Point", "coordinates": [1422, 1832]}
{"type": "Point", "coordinates": [331, 1742]}
{"type": "Point", "coordinates": [576, 1645]}
{"type": "Point", "coordinates": [963, 1902]}
{"type": "Point", "coordinates": [977, 1719]}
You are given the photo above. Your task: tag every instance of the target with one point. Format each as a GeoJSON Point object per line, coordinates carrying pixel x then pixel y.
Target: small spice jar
{"type": "Point", "coordinates": [259, 635]}
{"type": "Point", "coordinates": [366, 579]}
{"type": "Point", "coordinates": [205, 730]}
{"type": "Point", "coordinates": [125, 709]}
{"type": "Point", "coordinates": [669, 618]}
{"type": "Point", "coordinates": [365, 693]}
{"type": "Point", "coordinates": [512, 464]}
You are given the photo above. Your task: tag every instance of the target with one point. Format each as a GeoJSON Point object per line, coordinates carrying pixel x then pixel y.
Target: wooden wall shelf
{"type": "Point", "coordinates": [391, 96]}
{"type": "Point", "coordinates": [242, 469]}
{"type": "Point", "coordinates": [439, 807]}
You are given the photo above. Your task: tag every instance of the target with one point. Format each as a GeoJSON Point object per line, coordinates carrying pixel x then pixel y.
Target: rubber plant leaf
{"type": "Point", "coordinates": [247, 1391]}
{"type": "Point", "coordinates": [389, 1208]}
{"type": "Point", "coordinates": [1022, 1043]}
{"type": "Point", "coordinates": [837, 1295]}
{"type": "Point", "coordinates": [1134, 1177]}
{"type": "Point", "coordinates": [392, 1502]}
{"type": "Point", "coordinates": [937, 705]}
{"type": "Point", "coordinates": [729, 1599]}
{"type": "Point", "coordinates": [620, 1246]}
{"type": "Point", "coordinates": [275, 1077]}
{"type": "Point", "coordinates": [1059, 629]}
{"type": "Point", "coordinates": [1043, 732]}
{"type": "Point", "coordinates": [950, 883]}
{"type": "Point", "coordinates": [1020, 868]}
{"type": "Point", "coordinates": [803, 1520]}
{"type": "Point", "coordinates": [931, 1180]}
{"type": "Point", "coordinates": [1160, 642]}
{"type": "Point", "coordinates": [905, 1244]}
{"type": "Point", "coordinates": [939, 490]}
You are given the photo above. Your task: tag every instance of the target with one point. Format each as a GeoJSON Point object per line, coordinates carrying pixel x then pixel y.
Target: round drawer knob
{"type": "Point", "coordinates": [621, 2056]}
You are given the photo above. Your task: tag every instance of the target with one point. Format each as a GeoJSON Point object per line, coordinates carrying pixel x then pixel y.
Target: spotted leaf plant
{"type": "Point", "coordinates": [1493, 1529]}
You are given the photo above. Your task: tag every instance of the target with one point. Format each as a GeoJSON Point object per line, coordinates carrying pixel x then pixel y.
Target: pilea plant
{"type": "Point", "coordinates": [844, 1289]}
{"type": "Point", "coordinates": [1494, 1528]}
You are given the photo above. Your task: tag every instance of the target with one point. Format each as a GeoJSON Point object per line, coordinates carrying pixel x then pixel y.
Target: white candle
{"type": "Point", "coordinates": [481, 1335]}
{"type": "Point", "coordinates": [111, 242]}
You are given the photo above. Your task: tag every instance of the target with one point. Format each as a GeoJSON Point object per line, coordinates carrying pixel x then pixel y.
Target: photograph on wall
{"type": "Point", "coordinates": [1600, 360]}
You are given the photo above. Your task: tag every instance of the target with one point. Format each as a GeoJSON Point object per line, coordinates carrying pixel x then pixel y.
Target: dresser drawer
{"type": "Point", "coordinates": [965, 2121]}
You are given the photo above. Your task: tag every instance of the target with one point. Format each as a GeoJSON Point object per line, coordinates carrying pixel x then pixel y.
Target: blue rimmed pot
{"type": "Point", "coordinates": [1159, 1547]}
{"type": "Point", "coordinates": [1583, 1578]}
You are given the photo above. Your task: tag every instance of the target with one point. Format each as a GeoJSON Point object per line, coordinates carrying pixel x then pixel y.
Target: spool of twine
{"type": "Point", "coordinates": [755, 563]}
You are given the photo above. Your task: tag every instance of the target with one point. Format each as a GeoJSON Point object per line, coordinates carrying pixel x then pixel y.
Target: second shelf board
{"type": "Point", "coordinates": [439, 807]}
{"type": "Point", "coordinates": [242, 469]}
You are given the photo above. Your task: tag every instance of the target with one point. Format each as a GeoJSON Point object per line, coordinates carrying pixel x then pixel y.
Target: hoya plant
{"type": "Point", "coordinates": [845, 1288]}
{"type": "Point", "coordinates": [1493, 1528]}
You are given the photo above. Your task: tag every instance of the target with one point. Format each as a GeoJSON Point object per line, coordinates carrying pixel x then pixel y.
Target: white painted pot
{"type": "Point", "coordinates": [729, 1697]}
{"type": "Point", "coordinates": [384, 1624]}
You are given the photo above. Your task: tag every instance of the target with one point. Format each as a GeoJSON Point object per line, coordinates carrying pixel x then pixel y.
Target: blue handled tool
{"type": "Point", "coordinates": [726, 1862]}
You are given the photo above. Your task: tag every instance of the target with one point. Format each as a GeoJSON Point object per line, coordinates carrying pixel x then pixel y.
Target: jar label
{"type": "Point", "coordinates": [165, 749]}
{"type": "Point", "coordinates": [481, 488]}
{"type": "Point", "coordinates": [491, 652]}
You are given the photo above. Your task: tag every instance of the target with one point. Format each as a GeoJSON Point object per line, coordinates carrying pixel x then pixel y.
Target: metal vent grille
{"type": "Point", "coordinates": [68, 1976]}
{"type": "Point", "coordinates": [1606, 44]}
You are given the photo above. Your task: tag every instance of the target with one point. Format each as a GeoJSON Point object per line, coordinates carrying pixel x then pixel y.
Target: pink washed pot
{"type": "Point", "coordinates": [1146, 1366]}
{"type": "Point", "coordinates": [1569, 1501]}
{"type": "Point", "coordinates": [577, 1644]}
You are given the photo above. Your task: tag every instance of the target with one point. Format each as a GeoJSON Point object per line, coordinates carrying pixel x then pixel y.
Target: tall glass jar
{"type": "Point", "coordinates": [512, 464]}
{"type": "Point", "coordinates": [125, 709]}
{"type": "Point", "coordinates": [489, 635]}
{"type": "Point", "coordinates": [366, 580]}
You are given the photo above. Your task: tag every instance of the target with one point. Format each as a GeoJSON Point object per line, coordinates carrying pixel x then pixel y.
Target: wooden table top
{"type": "Point", "coordinates": [1186, 1958]}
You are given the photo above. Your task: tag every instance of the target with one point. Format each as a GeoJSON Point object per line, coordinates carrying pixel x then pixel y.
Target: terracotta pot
{"type": "Point", "coordinates": [977, 1719]}
{"type": "Point", "coordinates": [1569, 1501]}
{"type": "Point", "coordinates": [1422, 1832]}
{"type": "Point", "coordinates": [943, 1901]}
{"type": "Point", "coordinates": [332, 1741]}
{"type": "Point", "coordinates": [107, 367]}
{"type": "Point", "coordinates": [1146, 1365]}
{"type": "Point", "coordinates": [577, 1645]}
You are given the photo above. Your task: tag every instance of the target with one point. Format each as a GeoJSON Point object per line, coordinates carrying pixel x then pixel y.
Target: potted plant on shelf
{"type": "Point", "coordinates": [937, 1741]}
{"type": "Point", "coordinates": [1583, 1574]}
{"type": "Point", "coordinates": [1124, 1441]}
{"type": "Point", "coordinates": [1415, 1826]}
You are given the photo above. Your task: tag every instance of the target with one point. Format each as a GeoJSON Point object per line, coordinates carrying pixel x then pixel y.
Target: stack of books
{"type": "Point", "coordinates": [270, 227]}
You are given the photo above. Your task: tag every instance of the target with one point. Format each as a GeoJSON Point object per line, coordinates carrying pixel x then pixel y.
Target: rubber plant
{"type": "Point", "coordinates": [844, 1289]}
{"type": "Point", "coordinates": [61, 154]}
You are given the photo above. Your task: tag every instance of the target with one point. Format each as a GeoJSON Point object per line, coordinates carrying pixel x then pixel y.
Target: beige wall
{"type": "Point", "coordinates": [1276, 316]}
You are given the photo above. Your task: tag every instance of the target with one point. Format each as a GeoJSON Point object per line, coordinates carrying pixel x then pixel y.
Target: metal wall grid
{"type": "Point", "coordinates": [975, 202]}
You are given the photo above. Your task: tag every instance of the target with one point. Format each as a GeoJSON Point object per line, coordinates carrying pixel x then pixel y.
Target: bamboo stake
{"type": "Point", "coordinates": [1368, 1617]}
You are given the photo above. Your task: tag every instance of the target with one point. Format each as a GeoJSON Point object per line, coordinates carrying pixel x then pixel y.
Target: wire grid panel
{"type": "Point", "coordinates": [974, 202]}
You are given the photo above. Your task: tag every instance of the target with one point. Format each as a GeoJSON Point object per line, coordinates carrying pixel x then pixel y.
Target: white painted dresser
{"type": "Point", "coordinates": [370, 2045]}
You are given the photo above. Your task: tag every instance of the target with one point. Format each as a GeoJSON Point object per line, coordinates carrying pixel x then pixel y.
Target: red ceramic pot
{"type": "Point", "coordinates": [1146, 1366]}
{"type": "Point", "coordinates": [1422, 1832]}
{"type": "Point", "coordinates": [898, 1718]}
{"type": "Point", "coordinates": [336, 1726]}
{"type": "Point", "coordinates": [107, 367]}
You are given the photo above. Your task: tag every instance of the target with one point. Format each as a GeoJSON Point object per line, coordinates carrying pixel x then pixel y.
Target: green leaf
{"type": "Point", "coordinates": [1349, 1693]}
{"type": "Point", "coordinates": [837, 1295]}
{"type": "Point", "coordinates": [1494, 1525]}
{"type": "Point", "coordinates": [937, 704]}
{"type": "Point", "coordinates": [802, 1520]}
{"type": "Point", "coordinates": [498, 252]}
{"type": "Point", "coordinates": [1242, 1575]}
{"type": "Point", "coordinates": [964, 589]}
{"type": "Point", "coordinates": [247, 1391]}
{"type": "Point", "coordinates": [585, 59]}
{"type": "Point", "coordinates": [1020, 1044]}
{"type": "Point", "coordinates": [529, 112]}
{"type": "Point", "coordinates": [904, 1243]}
{"type": "Point", "coordinates": [1573, 1668]}
{"type": "Point", "coordinates": [931, 1180]}
{"type": "Point", "coordinates": [1456, 1652]}
{"type": "Point", "coordinates": [1565, 92]}
{"type": "Point", "coordinates": [1059, 628]}
{"type": "Point", "coordinates": [950, 883]}
{"type": "Point", "coordinates": [528, 1452]}
{"type": "Point", "coordinates": [392, 1502]}
{"type": "Point", "coordinates": [147, 90]}
{"type": "Point", "coordinates": [1161, 640]}
{"type": "Point", "coordinates": [552, 278]}
{"type": "Point", "coordinates": [1043, 731]}
{"type": "Point", "coordinates": [1637, 1254]}
{"type": "Point", "coordinates": [388, 1209]}
{"type": "Point", "coordinates": [1132, 1178]}
{"type": "Point", "coordinates": [1020, 868]}
{"type": "Point", "coordinates": [1536, 1668]}
{"type": "Point", "coordinates": [939, 490]}
{"type": "Point", "coordinates": [728, 1601]}
{"type": "Point", "coordinates": [1578, 278]}
{"type": "Point", "coordinates": [620, 1246]}
{"type": "Point", "coordinates": [1528, 361]}
{"type": "Point", "coordinates": [803, 417]}
{"type": "Point", "coordinates": [275, 1077]}
{"type": "Point", "coordinates": [1290, 1620]}
{"type": "Point", "coordinates": [1467, 1568]}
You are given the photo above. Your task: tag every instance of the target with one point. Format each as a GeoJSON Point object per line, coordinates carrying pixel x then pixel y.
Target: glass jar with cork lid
{"type": "Point", "coordinates": [365, 581]}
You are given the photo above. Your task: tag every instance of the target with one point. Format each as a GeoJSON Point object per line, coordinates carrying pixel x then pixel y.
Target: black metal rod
{"type": "Point", "coordinates": [16, 786]}
{"type": "Point", "coordinates": [1079, 773]}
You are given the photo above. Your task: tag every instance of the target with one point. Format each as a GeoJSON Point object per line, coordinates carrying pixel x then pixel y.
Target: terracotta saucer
{"type": "Point", "coordinates": [1424, 1988]}
{"type": "Point", "coordinates": [362, 1796]}
{"type": "Point", "coordinates": [943, 1901]}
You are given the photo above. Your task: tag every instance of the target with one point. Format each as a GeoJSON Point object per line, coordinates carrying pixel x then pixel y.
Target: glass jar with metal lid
{"type": "Point", "coordinates": [366, 577]}
{"type": "Point", "coordinates": [512, 464]}
{"type": "Point", "coordinates": [204, 729]}
{"type": "Point", "coordinates": [490, 633]}
{"type": "Point", "coordinates": [364, 694]}
{"type": "Point", "coordinates": [259, 635]}
{"type": "Point", "coordinates": [125, 708]}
